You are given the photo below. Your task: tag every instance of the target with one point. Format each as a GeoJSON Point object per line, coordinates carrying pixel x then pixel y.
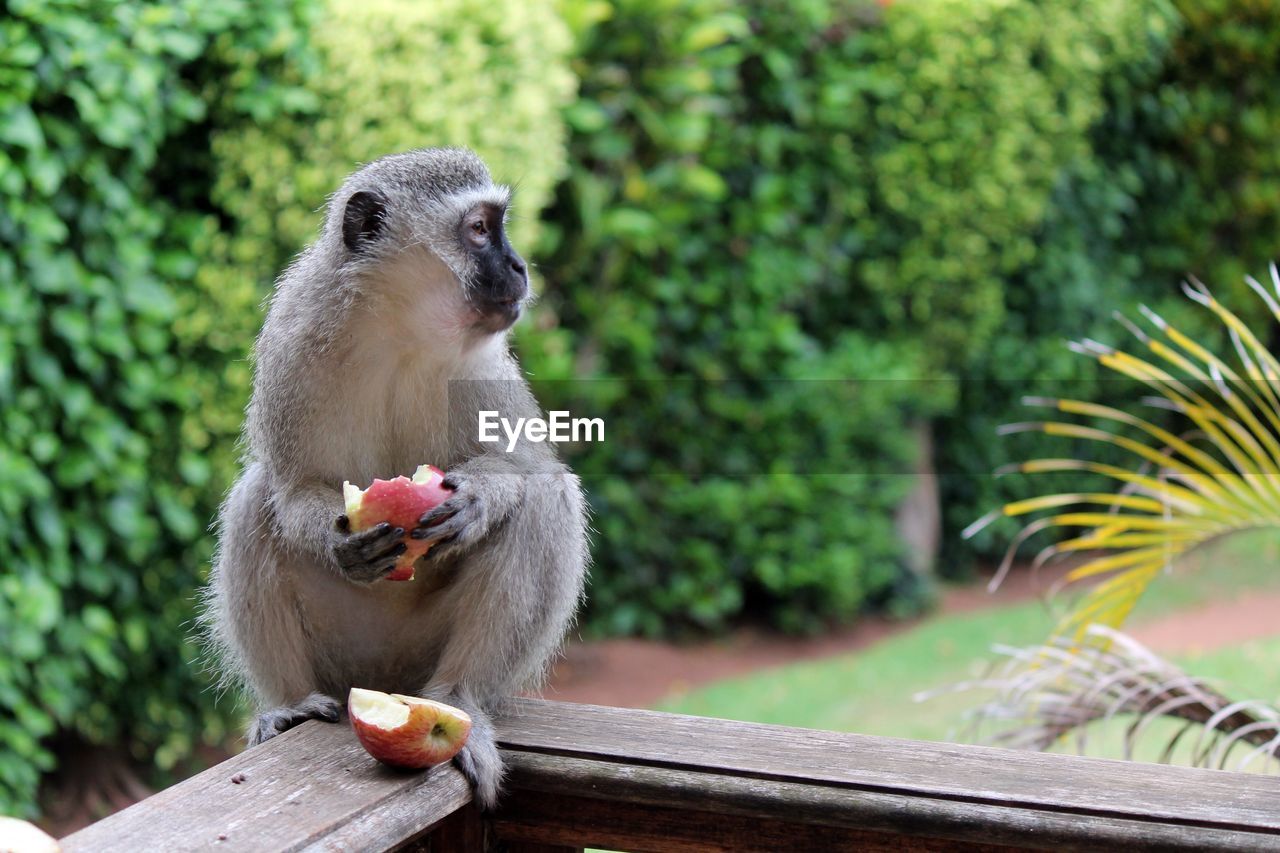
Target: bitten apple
{"type": "Point", "coordinates": [18, 836]}
{"type": "Point", "coordinates": [400, 502]}
{"type": "Point", "coordinates": [407, 731]}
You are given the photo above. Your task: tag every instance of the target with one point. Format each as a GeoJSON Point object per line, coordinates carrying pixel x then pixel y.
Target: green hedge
{"type": "Point", "coordinates": [1205, 148]}
{"type": "Point", "coordinates": [102, 507]}
{"type": "Point", "coordinates": [1182, 176]}
{"type": "Point", "coordinates": [389, 76]}
{"type": "Point", "coordinates": [952, 122]}
{"type": "Point", "coordinates": [768, 191]}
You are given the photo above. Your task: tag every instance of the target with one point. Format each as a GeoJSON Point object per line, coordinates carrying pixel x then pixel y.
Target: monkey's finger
{"type": "Point", "coordinates": [343, 524]}
{"type": "Point", "coordinates": [361, 547]}
{"type": "Point", "coordinates": [375, 532]}
{"type": "Point", "coordinates": [378, 550]}
{"type": "Point", "coordinates": [445, 511]}
{"type": "Point", "coordinates": [373, 569]}
{"type": "Point", "coordinates": [443, 548]}
{"type": "Point", "coordinates": [386, 563]}
{"type": "Point", "coordinates": [427, 525]}
{"type": "Point", "coordinates": [433, 517]}
{"type": "Point", "coordinates": [381, 533]}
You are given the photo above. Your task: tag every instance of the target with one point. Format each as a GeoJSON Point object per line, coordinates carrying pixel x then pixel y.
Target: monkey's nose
{"type": "Point", "coordinates": [518, 266]}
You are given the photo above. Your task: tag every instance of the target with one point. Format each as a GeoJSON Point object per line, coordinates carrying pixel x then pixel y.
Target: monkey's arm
{"type": "Point", "coordinates": [310, 519]}
{"type": "Point", "coordinates": [514, 602]}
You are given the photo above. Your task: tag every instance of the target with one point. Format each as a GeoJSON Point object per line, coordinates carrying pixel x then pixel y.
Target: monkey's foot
{"type": "Point", "coordinates": [317, 706]}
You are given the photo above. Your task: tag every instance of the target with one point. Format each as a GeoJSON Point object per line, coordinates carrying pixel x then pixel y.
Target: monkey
{"type": "Point", "coordinates": [382, 341]}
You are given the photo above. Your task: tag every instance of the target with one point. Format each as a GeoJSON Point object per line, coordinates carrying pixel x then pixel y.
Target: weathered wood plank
{"type": "Point", "coordinates": [461, 832]}
{"type": "Point", "coordinates": [643, 828]}
{"type": "Point", "coordinates": [911, 771]}
{"type": "Point", "coordinates": [650, 781]}
{"type": "Point", "coordinates": [933, 823]}
{"type": "Point", "coordinates": [311, 788]}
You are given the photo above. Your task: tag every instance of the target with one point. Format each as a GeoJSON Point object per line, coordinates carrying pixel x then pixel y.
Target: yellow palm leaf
{"type": "Point", "coordinates": [1220, 475]}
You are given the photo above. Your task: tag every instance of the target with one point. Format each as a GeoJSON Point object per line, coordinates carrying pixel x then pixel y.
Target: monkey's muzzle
{"type": "Point", "coordinates": [497, 315]}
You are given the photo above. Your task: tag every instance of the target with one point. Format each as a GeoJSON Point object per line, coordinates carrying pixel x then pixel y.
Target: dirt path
{"type": "Point", "coordinates": [640, 673]}
{"type": "Point", "coordinates": [1253, 616]}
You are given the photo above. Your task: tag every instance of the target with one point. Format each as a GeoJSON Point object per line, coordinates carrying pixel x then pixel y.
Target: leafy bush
{"type": "Point", "coordinates": [102, 506]}
{"type": "Point", "coordinates": [1206, 148]}
{"type": "Point", "coordinates": [389, 76]}
{"type": "Point", "coordinates": [770, 191]}
{"type": "Point", "coordinates": [953, 122]}
{"type": "Point", "coordinates": [1180, 178]}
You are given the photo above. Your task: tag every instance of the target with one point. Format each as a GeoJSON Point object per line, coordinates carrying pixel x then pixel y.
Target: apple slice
{"type": "Point", "coordinates": [407, 731]}
{"type": "Point", "coordinates": [22, 837]}
{"type": "Point", "coordinates": [400, 502]}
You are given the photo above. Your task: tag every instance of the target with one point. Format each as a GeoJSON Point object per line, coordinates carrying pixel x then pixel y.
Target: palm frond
{"type": "Point", "coordinates": [1044, 695]}
{"type": "Point", "coordinates": [1220, 475]}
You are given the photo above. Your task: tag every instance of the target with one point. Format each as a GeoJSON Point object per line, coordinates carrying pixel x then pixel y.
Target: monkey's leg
{"type": "Point", "coordinates": [258, 626]}
{"type": "Point", "coordinates": [512, 602]}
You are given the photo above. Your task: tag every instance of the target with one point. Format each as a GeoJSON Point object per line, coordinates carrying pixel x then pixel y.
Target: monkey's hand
{"type": "Point", "coordinates": [484, 492]}
{"type": "Point", "coordinates": [459, 522]}
{"type": "Point", "coordinates": [368, 555]}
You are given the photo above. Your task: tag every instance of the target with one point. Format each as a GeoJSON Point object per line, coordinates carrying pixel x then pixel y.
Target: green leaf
{"type": "Point", "coordinates": [18, 126]}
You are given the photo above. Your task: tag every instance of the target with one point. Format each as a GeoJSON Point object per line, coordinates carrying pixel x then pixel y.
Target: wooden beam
{"type": "Point", "coordinates": [614, 799]}
{"type": "Point", "coordinates": [958, 793]}
{"type": "Point", "coordinates": [555, 819]}
{"type": "Point", "coordinates": [311, 788]}
{"type": "Point", "coordinates": [641, 780]}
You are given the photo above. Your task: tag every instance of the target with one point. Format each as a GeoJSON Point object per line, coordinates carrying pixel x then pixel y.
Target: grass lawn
{"type": "Point", "coordinates": [871, 691]}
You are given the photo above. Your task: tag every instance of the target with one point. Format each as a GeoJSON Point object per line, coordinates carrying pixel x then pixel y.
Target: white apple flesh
{"type": "Point", "coordinates": [18, 836]}
{"type": "Point", "coordinates": [407, 731]}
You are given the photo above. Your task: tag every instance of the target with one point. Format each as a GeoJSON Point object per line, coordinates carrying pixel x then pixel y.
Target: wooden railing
{"type": "Point", "coordinates": [582, 775]}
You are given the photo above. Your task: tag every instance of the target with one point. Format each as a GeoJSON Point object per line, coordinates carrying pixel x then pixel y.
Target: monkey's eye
{"type": "Point", "coordinates": [477, 232]}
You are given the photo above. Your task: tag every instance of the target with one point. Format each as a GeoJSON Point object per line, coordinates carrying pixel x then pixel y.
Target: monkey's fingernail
{"type": "Point", "coordinates": [399, 531]}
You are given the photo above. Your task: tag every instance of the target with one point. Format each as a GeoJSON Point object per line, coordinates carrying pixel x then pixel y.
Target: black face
{"type": "Point", "coordinates": [502, 281]}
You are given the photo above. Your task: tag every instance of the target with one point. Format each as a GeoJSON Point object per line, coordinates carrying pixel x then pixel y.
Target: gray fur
{"type": "Point", "coordinates": [352, 382]}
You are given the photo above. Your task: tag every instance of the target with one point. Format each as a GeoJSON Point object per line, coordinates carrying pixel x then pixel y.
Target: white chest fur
{"type": "Point", "coordinates": [388, 408]}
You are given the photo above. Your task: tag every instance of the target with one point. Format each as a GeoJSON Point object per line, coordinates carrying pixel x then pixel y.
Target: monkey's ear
{"type": "Point", "coordinates": [363, 219]}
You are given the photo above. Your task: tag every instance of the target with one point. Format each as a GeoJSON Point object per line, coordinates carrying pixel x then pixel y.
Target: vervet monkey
{"type": "Point", "coordinates": [382, 342]}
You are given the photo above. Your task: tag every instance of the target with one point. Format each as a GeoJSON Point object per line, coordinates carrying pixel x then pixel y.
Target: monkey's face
{"type": "Point", "coordinates": [496, 277]}
{"type": "Point", "coordinates": [433, 224]}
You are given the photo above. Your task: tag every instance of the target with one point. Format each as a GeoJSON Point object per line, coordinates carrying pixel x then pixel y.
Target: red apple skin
{"type": "Point", "coordinates": [432, 734]}
{"type": "Point", "coordinates": [401, 502]}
